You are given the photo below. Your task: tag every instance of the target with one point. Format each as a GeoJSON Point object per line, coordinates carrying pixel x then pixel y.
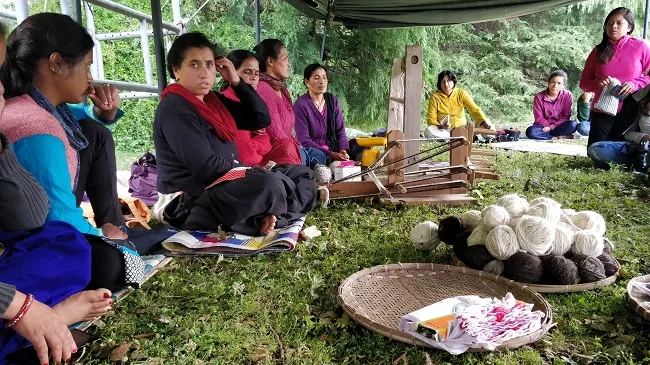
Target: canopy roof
{"type": "Point", "coordinates": [409, 13]}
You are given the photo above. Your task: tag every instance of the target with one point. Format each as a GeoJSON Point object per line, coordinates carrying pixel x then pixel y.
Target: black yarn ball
{"type": "Point", "coordinates": [459, 247]}
{"type": "Point", "coordinates": [449, 228]}
{"type": "Point", "coordinates": [607, 250]}
{"type": "Point", "coordinates": [560, 270]}
{"type": "Point", "coordinates": [477, 257]}
{"type": "Point", "coordinates": [609, 263]}
{"type": "Point", "coordinates": [524, 268]}
{"type": "Point", "coordinates": [590, 269]}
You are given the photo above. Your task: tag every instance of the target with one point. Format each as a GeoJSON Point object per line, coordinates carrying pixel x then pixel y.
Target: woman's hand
{"type": "Point", "coordinates": [111, 231]}
{"type": "Point", "coordinates": [44, 329]}
{"type": "Point", "coordinates": [227, 71]}
{"type": "Point", "coordinates": [259, 132]}
{"type": "Point", "coordinates": [339, 156]}
{"type": "Point", "coordinates": [546, 129]}
{"type": "Point", "coordinates": [106, 99]}
{"type": "Point", "coordinates": [626, 89]}
{"type": "Point", "coordinates": [487, 124]}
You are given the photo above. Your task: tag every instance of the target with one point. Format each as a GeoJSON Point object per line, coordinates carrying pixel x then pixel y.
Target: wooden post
{"type": "Point", "coordinates": [396, 96]}
{"type": "Point", "coordinates": [459, 156]}
{"type": "Point", "coordinates": [397, 153]}
{"type": "Point", "coordinates": [412, 101]}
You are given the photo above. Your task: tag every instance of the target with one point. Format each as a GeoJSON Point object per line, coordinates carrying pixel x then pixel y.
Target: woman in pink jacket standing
{"type": "Point", "coordinates": [618, 56]}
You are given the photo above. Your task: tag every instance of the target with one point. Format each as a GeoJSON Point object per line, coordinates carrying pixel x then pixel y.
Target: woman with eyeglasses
{"type": "Point", "coordinates": [255, 147]}
{"type": "Point", "coordinates": [618, 56]}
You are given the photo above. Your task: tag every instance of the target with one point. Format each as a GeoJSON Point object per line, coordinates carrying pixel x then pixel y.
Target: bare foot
{"type": "Point", "coordinates": [84, 306]}
{"type": "Point", "coordinates": [268, 225]}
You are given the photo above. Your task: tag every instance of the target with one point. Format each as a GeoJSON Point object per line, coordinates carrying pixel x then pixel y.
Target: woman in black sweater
{"type": "Point", "coordinates": [203, 184]}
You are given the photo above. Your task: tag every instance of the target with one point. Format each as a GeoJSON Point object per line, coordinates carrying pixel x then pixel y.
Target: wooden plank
{"type": "Point", "coordinates": [487, 175]}
{"type": "Point", "coordinates": [395, 154]}
{"type": "Point", "coordinates": [459, 156]}
{"type": "Point", "coordinates": [442, 199]}
{"type": "Point", "coordinates": [412, 101]}
{"type": "Point", "coordinates": [478, 152]}
{"type": "Point", "coordinates": [481, 162]}
{"type": "Point", "coordinates": [396, 96]}
{"type": "Point", "coordinates": [349, 189]}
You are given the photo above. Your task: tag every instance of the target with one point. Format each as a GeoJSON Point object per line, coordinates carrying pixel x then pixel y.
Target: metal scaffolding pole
{"type": "Point", "coordinates": [158, 43]}
{"type": "Point", "coordinates": [77, 11]}
{"type": "Point", "coordinates": [645, 19]}
{"type": "Point", "coordinates": [328, 17]}
{"type": "Point", "coordinates": [22, 10]}
{"type": "Point", "coordinates": [146, 54]}
{"type": "Point", "coordinates": [65, 7]}
{"type": "Point", "coordinates": [258, 35]}
{"type": "Point", "coordinates": [125, 10]}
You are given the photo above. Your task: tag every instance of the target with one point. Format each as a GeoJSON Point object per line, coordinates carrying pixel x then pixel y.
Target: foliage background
{"type": "Point", "coordinates": [502, 63]}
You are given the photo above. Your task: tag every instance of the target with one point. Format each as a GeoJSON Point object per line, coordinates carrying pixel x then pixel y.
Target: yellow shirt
{"type": "Point", "coordinates": [441, 105]}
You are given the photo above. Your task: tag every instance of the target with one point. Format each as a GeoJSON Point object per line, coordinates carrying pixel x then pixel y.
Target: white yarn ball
{"type": "Point", "coordinates": [495, 267]}
{"type": "Point", "coordinates": [542, 199]}
{"type": "Point", "coordinates": [470, 219]}
{"type": "Point", "coordinates": [547, 211]}
{"type": "Point", "coordinates": [425, 236]}
{"type": "Point", "coordinates": [513, 223]}
{"type": "Point", "coordinates": [501, 242]}
{"type": "Point", "coordinates": [535, 235]}
{"type": "Point", "coordinates": [563, 239]}
{"type": "Point", "coordinates": [567, 214]}
{"type": "Point", "coordinates": [514, 204]}
{"type": "Point", "coordinates": [590, 221]}
{"type": "Point", "coordinates": [322, 173]}
{"type": "Point", "coordinates": [494, 215]}
{"type": "Point", "coordinates": [587, 243]}
{"type": "Point", "coordinates": [477, 237]}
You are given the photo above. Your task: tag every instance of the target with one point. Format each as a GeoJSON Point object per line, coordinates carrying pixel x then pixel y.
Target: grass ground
{"type": "Point", "coordinates": [283, 308]}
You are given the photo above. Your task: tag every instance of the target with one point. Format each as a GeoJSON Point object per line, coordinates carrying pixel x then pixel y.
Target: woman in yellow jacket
{"type": "Point", "coordinates": [447, 108]}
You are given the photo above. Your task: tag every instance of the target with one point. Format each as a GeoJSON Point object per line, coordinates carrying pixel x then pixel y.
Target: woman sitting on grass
{"type": "Point", "coordinates": [205, 185]}
{"type": "Point", "coordinates": [447, 108]}
{"type": "Point", "coordinates": [46, 69]}
{"type": "Point", "coordinates": [552, 110]}
{"type": "Point", "coordinates": [254, 147]}
{"type": "Point", "coordinates": [319, 122]}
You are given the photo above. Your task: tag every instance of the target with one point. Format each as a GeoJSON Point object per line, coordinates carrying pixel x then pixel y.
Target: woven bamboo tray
{"type": "Point", "coordinates": [635, 298]}
{"type": "Point", "coordinates": [378, 297]}
{"type": "Point", "coordinates": [540, 288]}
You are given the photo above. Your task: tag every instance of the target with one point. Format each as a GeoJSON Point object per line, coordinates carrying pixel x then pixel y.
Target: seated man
{"type": "Point", "coordinates": [447, 108]}
{"type": "Point", "coordinates": [631, 129]}
{"type": "Point", "coordinates": [552, 110]}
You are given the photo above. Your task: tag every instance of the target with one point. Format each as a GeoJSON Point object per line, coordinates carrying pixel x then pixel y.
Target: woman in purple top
{"type": "Point", "coordinates": [552, 110]}
{"type": "Point", "coordinates": [319, 123]}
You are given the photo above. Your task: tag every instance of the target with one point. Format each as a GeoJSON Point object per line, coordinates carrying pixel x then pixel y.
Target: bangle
{"type": "Point", "coordinates": [29, 299]}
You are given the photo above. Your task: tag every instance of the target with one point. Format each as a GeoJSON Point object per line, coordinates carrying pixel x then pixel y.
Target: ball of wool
{"type": "Point", "coordinates": [524, 268]}
{"type": "Point", "coordinates": [501, 242]}
{"type": "Point", "coordinates": [459, 248]}
{"type": "Point", "coordinates": [560, 270]}
{"type": "Point", "coordinates": [590, 269]}
{"type": "Point", "coordinates": [590, 221]}
{"type": "Point", "coordinates": [535, 235]}
{"type": "Point", "coordinates": [477, 257]}
{"type": "Point", "coordinates": [567, 214]}
{"type": "Point", "coordinates": [449, 228]}
{"type": "Point", "coordinates": [587, 243]}
{"type": "Point", "coordinates": [322, 173]}
{"type": "Point", "coordinates": [477, 237]}
{"type": "Point", "coordinates": [494, 215]}
{"type": "Point", "coordinates": [495, 267]}
{"type": "Point", "coordinates": [542, 199]}
{"type": "Point", "coordinates": [610, 264]}
{"type": "Point", "coordinates": [425, 236]}
{"type": "Point", "coordinates": [470, 219]}
{"type": "Point", "coordinates": [547, 211]}
{"type": "Point", "coordinates": [514, 204]}
{"type": "Point", "coordinates": [513, 223]}
{"type": "Point", "coordinates": [563, 239]}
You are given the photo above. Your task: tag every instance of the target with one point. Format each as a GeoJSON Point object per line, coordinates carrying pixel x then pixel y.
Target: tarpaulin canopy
{"type": "Point", "coordinates": [410, 13]}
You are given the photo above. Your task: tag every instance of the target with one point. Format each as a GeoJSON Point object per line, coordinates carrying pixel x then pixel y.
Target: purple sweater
{"type": "Point", "coordinates": [311, 125]}
{"type": "Point", "coordinates": [552, 114]}
{"type": "Point", "coordinates": [631, 63]}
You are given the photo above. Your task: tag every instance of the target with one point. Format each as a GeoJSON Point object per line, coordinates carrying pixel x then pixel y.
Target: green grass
{"type": "Point", "coordinates": [283, 308]}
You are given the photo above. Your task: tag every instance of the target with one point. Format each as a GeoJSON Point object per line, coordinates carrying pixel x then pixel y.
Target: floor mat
{"type": "Point", "coordinates": [543, 147]}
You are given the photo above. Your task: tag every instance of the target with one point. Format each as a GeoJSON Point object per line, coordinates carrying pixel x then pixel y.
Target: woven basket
{"type": "Point", "coordinates": [540, 288]}
{"type": "Point", "coordinates": [378, 297]}
{"type": "Point", "coordinates": [635, 297]}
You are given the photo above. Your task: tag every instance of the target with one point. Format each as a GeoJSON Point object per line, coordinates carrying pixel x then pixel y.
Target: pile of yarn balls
{"type": "Point", "coordinates": [535, 242]}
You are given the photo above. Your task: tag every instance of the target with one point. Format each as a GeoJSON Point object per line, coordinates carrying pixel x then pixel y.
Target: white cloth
{"type": "Point", "coordinates": [433, 131]}
{"type": "Point", "coordinates": [158, 208]}
{"type": "Point", "coordinates": [607, 102]}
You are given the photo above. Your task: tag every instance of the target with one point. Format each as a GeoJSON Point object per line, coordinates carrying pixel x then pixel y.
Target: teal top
{"type": "Point", "coordinates": [583, 110]}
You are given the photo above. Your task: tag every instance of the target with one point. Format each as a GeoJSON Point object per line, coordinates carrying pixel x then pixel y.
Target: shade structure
{"type": "Point", "coordinates": [412, 13]}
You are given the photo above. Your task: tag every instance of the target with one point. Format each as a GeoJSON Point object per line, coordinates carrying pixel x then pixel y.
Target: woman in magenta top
{"type": "Point", "coordinates": [618, 56]}
{"type": "Point", "coordinates": [552, 110]}
{"type": "Point", "coordinates": [275, 68]}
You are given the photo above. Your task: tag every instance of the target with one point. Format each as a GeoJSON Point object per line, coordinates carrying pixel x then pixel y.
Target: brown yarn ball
{"type": "Point", "coordinates": [610, 264]}
{"type": "Point", "coordinates": [590, 269]}
{"type": "Point", "coordinates": [607, 250]}
{"type": "Point", "coordinates": [560, 270]}
{"type": "Point", "coordinates": [477, 257]}
{"type": "Point", "coordinates": [495, 267]}
{"type": "Point", "coordinates": [524, 268]}
{"type": "Point", "coordinates": [449, 228]}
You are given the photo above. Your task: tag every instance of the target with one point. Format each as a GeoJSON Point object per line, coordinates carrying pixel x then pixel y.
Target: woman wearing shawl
{"type": "Point", "coordinates": [203, 182]}
{"type": "Point", "coordinates": [275, 69]}
{"type": "Point", "coordinates": [255, 147]}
